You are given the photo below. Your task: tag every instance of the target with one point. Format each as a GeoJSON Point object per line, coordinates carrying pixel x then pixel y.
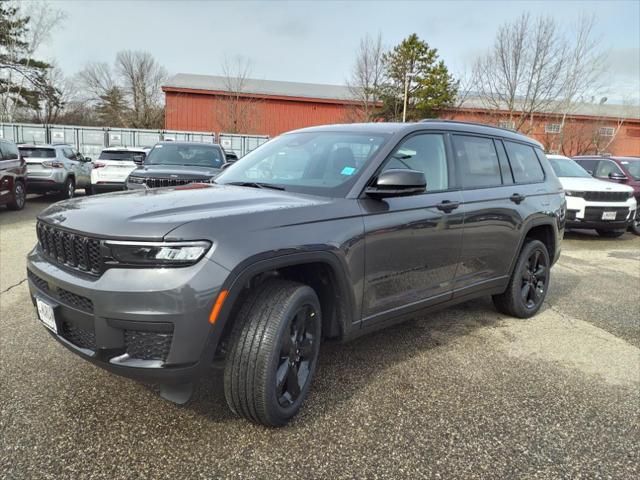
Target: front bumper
{"type": "Point", "coordinates": [585, 214]}
{"type": "Point", "coordinates": [147, 324]}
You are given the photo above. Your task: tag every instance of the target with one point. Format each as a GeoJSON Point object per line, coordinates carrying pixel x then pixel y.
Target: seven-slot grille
{"type": "Point", "coordinates": [595, 213]}
{"type": "Point", "coordinates": [76, 251]}
{"type": "Point", "coordinates": [606, 196]}
{"type": "Point", "coordinates": [152, 182]}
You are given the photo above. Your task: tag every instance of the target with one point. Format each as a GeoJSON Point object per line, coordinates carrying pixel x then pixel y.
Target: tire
{"type": "Point", "coordinates": [260, 381]}
{"type": "Point", "coordinates": [528, 284]}
{"type": "Point", "coordinates": [635, 225]}
{"type": "Point", "coordinates": [19, 197]}
{"type": "Point", "coordinates": [69, 189]}
{"type": "Point", "coordinates": [88, 190]}
{"type": "Point", "coordinates": [610, 233]}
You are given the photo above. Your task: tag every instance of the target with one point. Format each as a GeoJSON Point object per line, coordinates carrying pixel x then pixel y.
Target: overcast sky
{"type": "Point", "coordinates": [315, 41]}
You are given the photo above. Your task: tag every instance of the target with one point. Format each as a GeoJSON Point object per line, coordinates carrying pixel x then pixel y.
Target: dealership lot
{"type": "Point", "coordinates": [464, 393]}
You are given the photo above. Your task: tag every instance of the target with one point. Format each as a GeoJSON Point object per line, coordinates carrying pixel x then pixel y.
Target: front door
{"type": "Point", "coordinates": [412, 243]}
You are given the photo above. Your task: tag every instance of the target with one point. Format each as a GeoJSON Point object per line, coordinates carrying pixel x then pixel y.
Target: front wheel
{"type": "Point", "coordinates": [635, 225]}
{"type": "Point", "coordinates": [273, 352]}
{"type": "Point", "coordinates": [610, 233]}
{"type": "Point", "coordinates": [528, 284]}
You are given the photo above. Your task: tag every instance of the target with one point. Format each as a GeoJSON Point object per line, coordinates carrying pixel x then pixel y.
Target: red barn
{"type": "Point", "coordinates": [210, 103]}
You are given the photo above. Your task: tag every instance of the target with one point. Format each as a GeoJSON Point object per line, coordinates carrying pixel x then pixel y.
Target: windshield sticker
{"type": "Point", "coordinates": [347, 171]}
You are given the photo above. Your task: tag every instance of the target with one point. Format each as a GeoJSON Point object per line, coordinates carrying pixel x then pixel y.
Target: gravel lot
{"type": "Point", "coordinates": [464, 393]}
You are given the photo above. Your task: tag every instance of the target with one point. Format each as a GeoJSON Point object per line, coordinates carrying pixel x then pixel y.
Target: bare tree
{"type": "Point", "coordinates": [28, 75]}
{"type": "Point", "coordinates": [367, 75]}
{"type": "Point", "coordinates": [238, 112]}
{"type": "Point", "coordinates": [522, 73]}
{"type": "Point", "coordinates": [142, 77]}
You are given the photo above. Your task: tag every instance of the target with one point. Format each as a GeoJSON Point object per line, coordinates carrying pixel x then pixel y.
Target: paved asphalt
{"type": "Point", "coordinates": [464, 393]}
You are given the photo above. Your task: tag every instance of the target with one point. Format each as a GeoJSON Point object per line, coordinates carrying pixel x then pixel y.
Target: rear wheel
{"type": "Point", "coordinates": [19, 196]}
{"type": "Point", "coordinates": [69, 189]}
{"type": "Point", "coordinates": [273, 352]}
{"type": "Point", "coordinates": [529, 282]}
{"type": "Point", "coordinates": [610, 233]}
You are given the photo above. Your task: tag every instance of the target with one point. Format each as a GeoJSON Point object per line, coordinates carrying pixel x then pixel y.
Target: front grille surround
{"type": "Point", "coordinates": [158, 182]}
{"type": "Point", "coordinates": [606, 196]}
{"type": "Point", "coordinates": [69, 249]}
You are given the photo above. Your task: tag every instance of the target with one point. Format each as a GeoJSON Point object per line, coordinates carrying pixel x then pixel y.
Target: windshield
{"type": "Point", "coordinates": [322, 163]}
{"type": "Point", "coordinates": [565, 167]}
{"type": "Point", "coordinates": [30, 152]}
{"type": "Point", "coordinates": [123, 155]}
{"type": "Point", "coordinates": [633, 167]}
{"type": "Point", "coordinates": [186, 155]}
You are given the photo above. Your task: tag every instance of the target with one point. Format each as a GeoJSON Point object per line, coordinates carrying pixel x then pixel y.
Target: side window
{"type": "Point", "coordinates": [9, 151]}
{"type": "Point", "coordinates": [425, 153]}
{"type": "Point", "coordinates": [606, 167]}
{"type": "Point", "coordinates": [477, 160]}
{"type": "Point", "coordinates": [525, 165]}
{"type": "Point", "coordinates": [69, 153]}
{"type": "Point", "coordinates": [588, 165]}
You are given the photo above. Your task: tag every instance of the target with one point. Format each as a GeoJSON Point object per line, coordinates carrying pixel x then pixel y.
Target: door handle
{"type": "Point", "coordinates": [447, 206]}
{"type": "Point", "coordinates": [517, 198]}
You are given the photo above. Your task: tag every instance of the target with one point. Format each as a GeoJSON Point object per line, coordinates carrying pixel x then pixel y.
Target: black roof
{"type": "Point", "coordinates": [435, 124]}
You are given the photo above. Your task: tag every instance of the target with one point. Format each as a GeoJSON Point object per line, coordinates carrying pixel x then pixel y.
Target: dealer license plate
{"type": "Point", "coordinates": [47, 315]}
{"type": "Point", "coordinates": [608, 215]}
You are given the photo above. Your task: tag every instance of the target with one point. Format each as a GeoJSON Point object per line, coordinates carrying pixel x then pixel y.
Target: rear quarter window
{"type": "Point", "coordinates": [524, 162]}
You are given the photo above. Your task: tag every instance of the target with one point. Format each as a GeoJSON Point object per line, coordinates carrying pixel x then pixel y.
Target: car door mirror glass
{"type": "Point", "coordinates": [617, 176]}
{"type": "Point", "coordinates": [398, 182]}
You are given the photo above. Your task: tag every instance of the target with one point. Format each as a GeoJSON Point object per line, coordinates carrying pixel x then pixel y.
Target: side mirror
{"type": "Point", "coordinates": [590, 172]}
{"type": "Point", "coordinates": [87, 159]}
{"type": "Point", "coordinates": [138, 159]}
{"type": "Point", "coordinates": [397, 183]}
{"type": "Point", "coordinates": [617, 176]}
{"type": "Point", "coordinates": [226, 165]}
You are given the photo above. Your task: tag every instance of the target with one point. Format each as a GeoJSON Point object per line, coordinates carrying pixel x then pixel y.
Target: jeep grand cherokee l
{"type": "Point", "coordinates": [325, 232]}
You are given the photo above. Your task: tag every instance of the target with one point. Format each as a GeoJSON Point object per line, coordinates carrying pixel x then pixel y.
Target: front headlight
{"type": "Point", "coordinates": [177, 254]}
{"type": "Point", "coordinates": [137, 180]}
{"type": "Point", "coordinates": [571, 193]}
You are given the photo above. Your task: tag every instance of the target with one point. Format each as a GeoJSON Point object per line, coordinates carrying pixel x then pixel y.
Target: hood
{"type": "Point", "coordinates": [580, 184]}
{"type": "Point", "coordinates": [174, 171]}
{"type": "Point", "coordinates": [152, 214]}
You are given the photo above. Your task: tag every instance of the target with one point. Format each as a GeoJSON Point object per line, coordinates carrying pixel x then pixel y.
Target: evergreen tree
{"type": "Point", "coordinates": [431, 86]}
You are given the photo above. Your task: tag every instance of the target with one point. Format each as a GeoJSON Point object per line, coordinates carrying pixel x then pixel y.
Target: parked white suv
{"type": "Point", "coordinates": [607, 207]}
{"type": "Point", "coordinates": [114, 166]}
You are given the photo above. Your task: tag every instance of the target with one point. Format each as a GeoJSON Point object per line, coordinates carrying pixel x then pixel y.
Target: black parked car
{"type": "Point", "coordinates": [13, 176]}
{"type": "Point", "coordinates": [177, 163]}
{"type": "Point", "coordinates": [326, 232]}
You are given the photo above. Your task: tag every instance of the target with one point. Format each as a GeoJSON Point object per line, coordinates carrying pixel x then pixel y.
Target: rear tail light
{"type": "Point", "coordinates": [53, 164]}
{"type": "Point", "coordinates": [99, 165]}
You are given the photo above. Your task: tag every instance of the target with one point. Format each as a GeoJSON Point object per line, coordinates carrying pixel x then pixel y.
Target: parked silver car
{"type": "Point", "coordinates": [56, 168]}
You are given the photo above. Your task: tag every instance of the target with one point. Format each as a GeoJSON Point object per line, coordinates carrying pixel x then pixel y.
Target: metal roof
{"type": "Point", "coordinates": [261, 87]}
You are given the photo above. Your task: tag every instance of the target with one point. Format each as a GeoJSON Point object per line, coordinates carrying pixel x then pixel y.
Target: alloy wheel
{"type": "Point", "coordinates": [296, 358]}
{"type": "Point", "coordinates": [20, 195]}
{"type": "Point", "coordinates": [534, 279]}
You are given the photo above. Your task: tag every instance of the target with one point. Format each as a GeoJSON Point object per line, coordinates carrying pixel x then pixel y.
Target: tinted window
{"type": "Point", "coordinates": [9, 151]}
{"type": "Point", "coordinates": [191, 155]}
{"type": "Point", "coordinates": [425, 153]}
{"type": "Point", "coordinates": [589, 165]}
{"type": "Point", "coordinates": [633, 167]}
{"type": "Point", "coordinates": [605, 167]}
{"type": "Point", "coordinates": [525, 165]}
{"type": "Point", "coordinates": [32, 152]}
{"type": "Point", "coordinates": [477, 160]}
{"type": "Point", "coordinates": [123, 155]}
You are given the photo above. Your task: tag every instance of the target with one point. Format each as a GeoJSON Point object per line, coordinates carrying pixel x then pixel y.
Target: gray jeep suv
{"type": "Point", "coordinates": [325, 232]}
{"type": "Point", "coordinates": [56, 168]}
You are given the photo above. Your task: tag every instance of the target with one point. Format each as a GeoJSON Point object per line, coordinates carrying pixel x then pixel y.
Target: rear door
{"type": "Point", "coordinates": [493, 212]}
{"type": "Point", "coordinates": [413, 242]}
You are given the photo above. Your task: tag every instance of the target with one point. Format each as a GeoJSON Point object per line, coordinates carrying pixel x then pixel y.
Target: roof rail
{"type": "Point", "coordinates": [440, 120]}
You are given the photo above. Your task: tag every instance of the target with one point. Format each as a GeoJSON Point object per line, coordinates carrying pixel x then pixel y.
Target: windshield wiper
{"type": "Point", "coordinates": [256, 185]}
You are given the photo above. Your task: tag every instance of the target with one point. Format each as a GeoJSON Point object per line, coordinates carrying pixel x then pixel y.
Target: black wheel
{"type": "Point", "coordinates": [610, 233]}
{"type": "Point", "coordinates": [69, 189]}
{"type": "Point", "coordinates": [88, 190]}
{"type": "Point", "coordinates": [19, 197]}
{"type": "Point", "coordinates": [529, 282]}
{"type": "Point", "coordinates": [635, 225]}
{"type": "Point", "coordinates": [273, 352]}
